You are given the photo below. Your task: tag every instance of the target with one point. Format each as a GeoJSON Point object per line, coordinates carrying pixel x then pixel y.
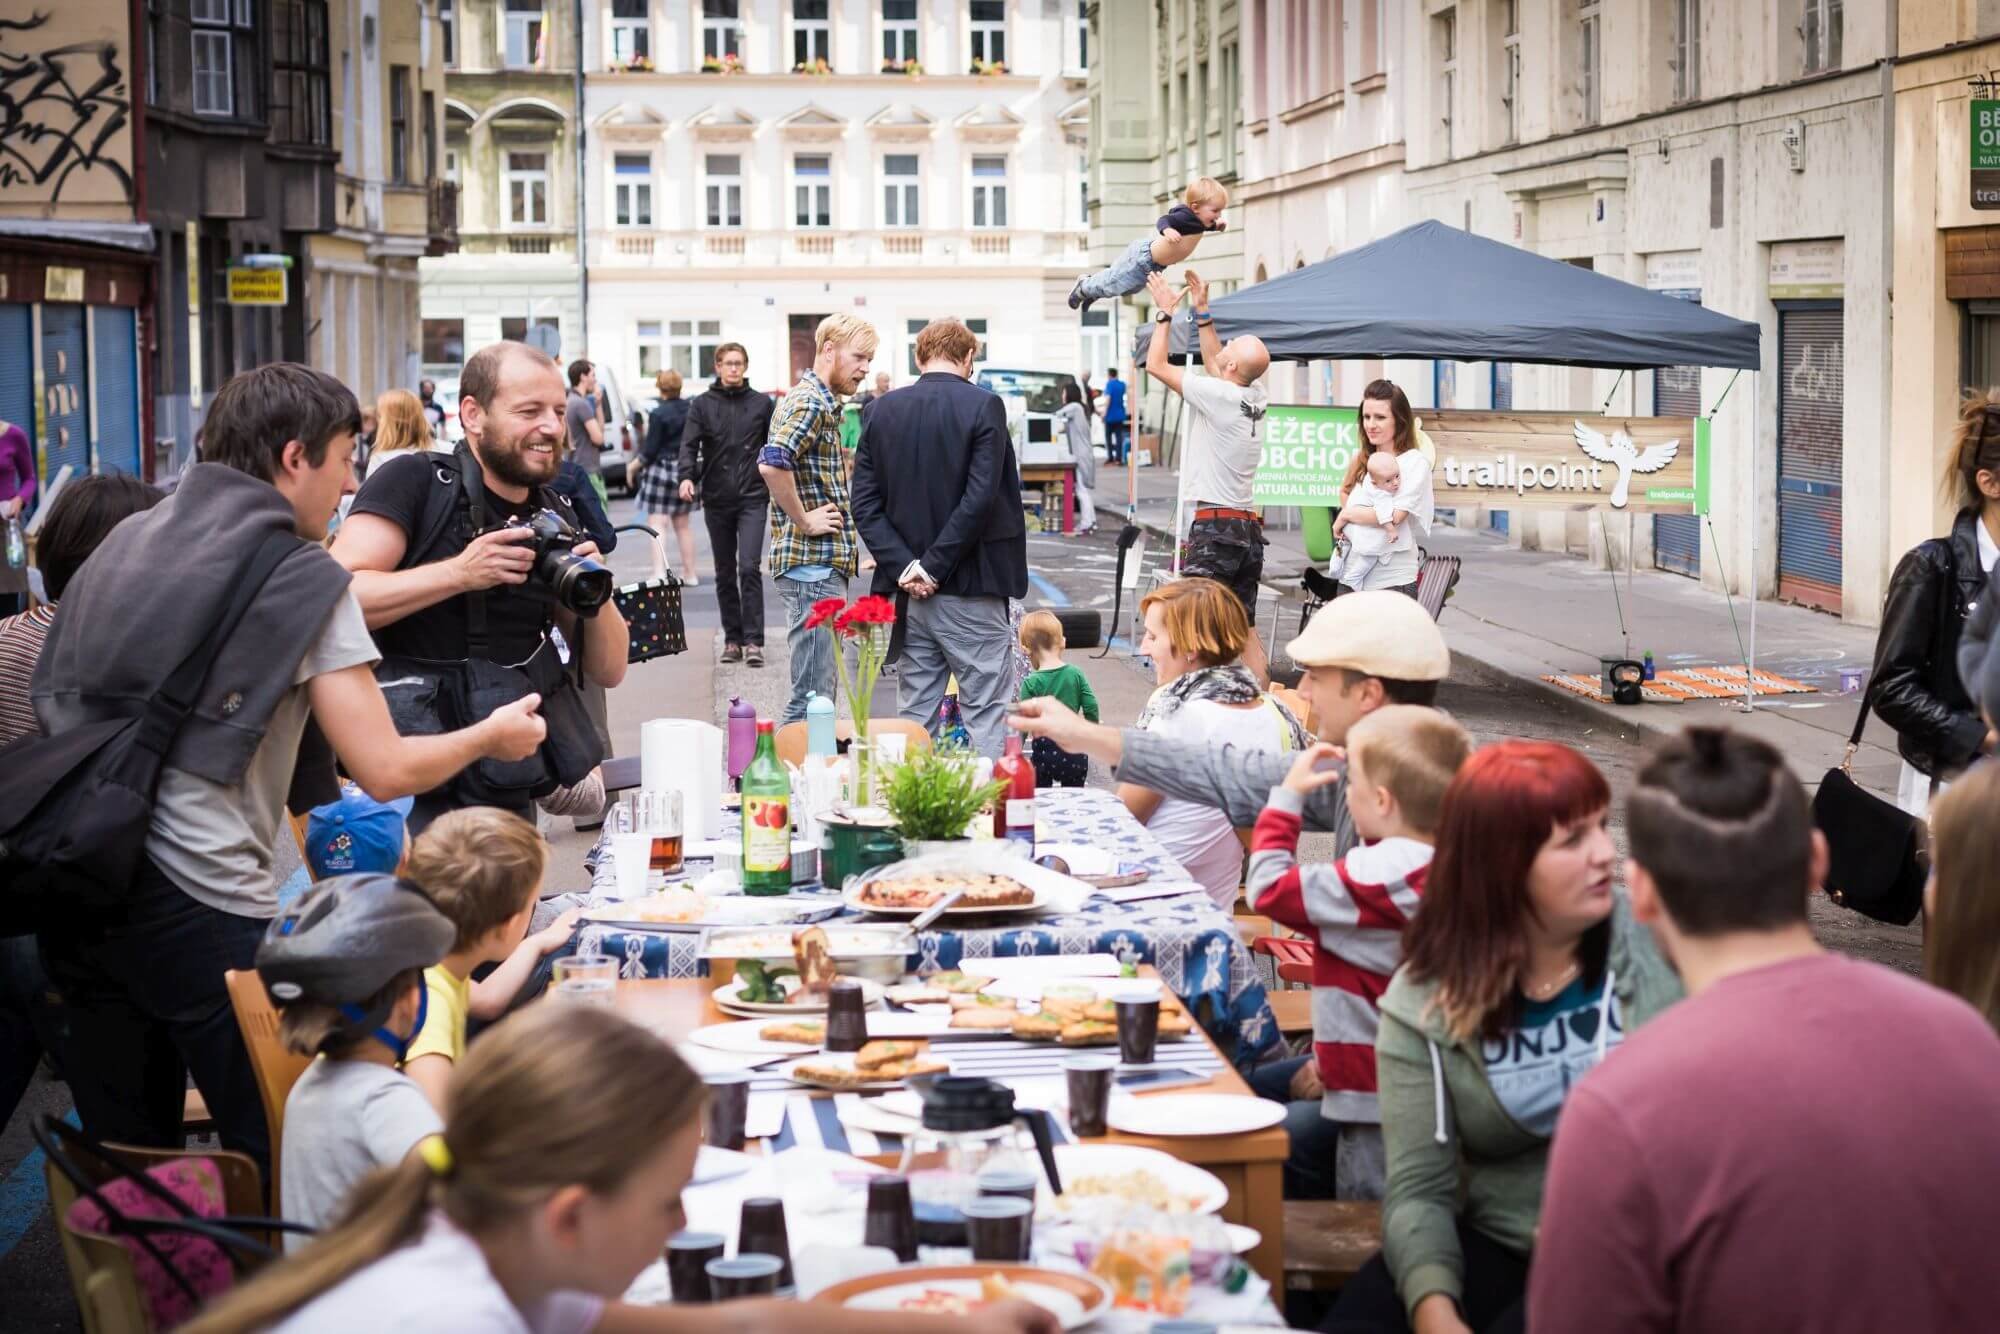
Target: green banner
{"type": "Point", "coordinates": [1306, 452]}
{"type": "Point", "coordinates": [1985, 153]}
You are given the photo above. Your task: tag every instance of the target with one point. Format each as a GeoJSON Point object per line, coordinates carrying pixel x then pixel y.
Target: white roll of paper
{"type": "Point", "coordinates": [681, 754]}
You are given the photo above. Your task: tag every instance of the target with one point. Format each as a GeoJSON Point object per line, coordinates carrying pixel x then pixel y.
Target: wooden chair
{"type": "Point", "coordinates": [791, 738]}
{"type": "Point", "coordinates": [1436, 578]}
{"type": "Point", "coordinates": [299, 837]}
{"type": "Point", "coordinates": [1292, 1008]}
{"type": "Point", "coordinates": [100, 1269]}
{"type": "Point", "coordinates": [277, 1068]}
{"type": "Point", "coordinates": [1327, 1242]}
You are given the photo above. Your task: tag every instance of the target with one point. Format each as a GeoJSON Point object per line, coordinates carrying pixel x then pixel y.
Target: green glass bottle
{"type": "Point", "coordinates": [767, 819]}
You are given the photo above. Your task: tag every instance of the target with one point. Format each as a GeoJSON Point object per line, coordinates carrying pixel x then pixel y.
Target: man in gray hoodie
{"type": "Point", "coordinates": [143, 990]}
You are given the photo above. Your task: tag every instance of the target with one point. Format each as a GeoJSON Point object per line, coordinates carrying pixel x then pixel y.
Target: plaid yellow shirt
{"type": "Point", "coordinates": [805, 441]}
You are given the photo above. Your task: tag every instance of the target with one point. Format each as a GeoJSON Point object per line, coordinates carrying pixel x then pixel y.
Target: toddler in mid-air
{"type": "Point", "coordinates": [1367, 544]}
{"type": "Point", "coordinates": [1171, 241]}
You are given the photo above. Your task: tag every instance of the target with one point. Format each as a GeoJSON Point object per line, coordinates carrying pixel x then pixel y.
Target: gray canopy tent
{"type": "Point", "coordinates": [1434, 292]}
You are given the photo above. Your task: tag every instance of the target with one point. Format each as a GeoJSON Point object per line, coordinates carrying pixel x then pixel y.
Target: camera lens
{"type": "Point", "coordinates": [579, 583]}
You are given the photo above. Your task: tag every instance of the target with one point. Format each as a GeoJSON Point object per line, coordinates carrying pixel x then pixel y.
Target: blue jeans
{"type": "Point", "coordinates": [811, 650]}
{"type": "Point", "coordinates": [1309, 1170]}
{"type": "Point", "coordinates": [1127, 273]}
{"type": "Point", "coordinates": [1117, 440]}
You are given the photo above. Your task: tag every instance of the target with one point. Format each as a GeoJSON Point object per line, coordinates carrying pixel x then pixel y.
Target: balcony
{"type": "Point", "coordinates": [628, 248]}
{"type": "Point", "coordinates": [552, 243]}
{"type": "Point", "coordinates": [441, 217]}
{"type": "Point", "coordinates": [816, 244]}
{"type": "Point", "coordinates": [530, 245]}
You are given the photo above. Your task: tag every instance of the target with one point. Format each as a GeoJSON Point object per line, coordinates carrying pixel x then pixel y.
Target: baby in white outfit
{"type": "Point", "coordinates": [1367, 544]}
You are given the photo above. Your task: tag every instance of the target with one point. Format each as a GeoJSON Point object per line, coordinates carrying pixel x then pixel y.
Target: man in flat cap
{"type": "Point", "coordinates": [1362, 651]}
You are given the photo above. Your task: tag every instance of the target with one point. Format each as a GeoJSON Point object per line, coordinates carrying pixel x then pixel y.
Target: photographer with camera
{"type": "Point", "coordinates": [480, 584]}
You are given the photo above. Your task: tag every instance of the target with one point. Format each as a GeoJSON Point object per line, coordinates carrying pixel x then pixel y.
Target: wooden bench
{"type": "Point", "coordinates": [1327, 1242]}
{"type": "Point", "coordinates": [1293, 1007]}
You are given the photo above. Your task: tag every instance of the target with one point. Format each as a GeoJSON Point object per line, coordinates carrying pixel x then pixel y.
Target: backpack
{"type": "Point", "coordinates": [75, 808]}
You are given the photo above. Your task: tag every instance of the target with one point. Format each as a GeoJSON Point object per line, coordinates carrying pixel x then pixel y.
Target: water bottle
{"type": "Point", "coordinates": [819, 725]}
{"type": "Point", "coordinates": [17, 543]}
{"type": "Point", "coordinates": [742, 736]}
{"type": "Point", "coordinates": [1648, 666]}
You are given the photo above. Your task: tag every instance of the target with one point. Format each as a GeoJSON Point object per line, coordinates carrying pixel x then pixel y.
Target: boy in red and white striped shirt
{"type": "Point", "coordinates": [1400, 760]}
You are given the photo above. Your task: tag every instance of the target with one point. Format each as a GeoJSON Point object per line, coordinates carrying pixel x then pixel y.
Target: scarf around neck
{"type": "Point", "coordinates": [1230, 683]}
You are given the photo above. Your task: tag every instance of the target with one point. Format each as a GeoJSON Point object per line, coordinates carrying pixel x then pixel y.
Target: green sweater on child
{"type": "Point", "coordinates": [1066, 684]}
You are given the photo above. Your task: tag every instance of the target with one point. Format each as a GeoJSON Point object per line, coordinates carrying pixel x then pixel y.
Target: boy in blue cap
{"type": "Point", "coordinates": [356, 834]}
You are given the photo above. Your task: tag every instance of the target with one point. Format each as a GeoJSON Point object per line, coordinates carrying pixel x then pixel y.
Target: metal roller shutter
{"type": "Point", "coordinates": [1810, 347]}
{"type": "Point", "coordinates": [115, 367]}
{"type": "Point", "coordinates": [17, 365]}
{"type": "Point", "coordinates": [1677, 393]}
{"type": "Point", "coordinates": [65, 392]}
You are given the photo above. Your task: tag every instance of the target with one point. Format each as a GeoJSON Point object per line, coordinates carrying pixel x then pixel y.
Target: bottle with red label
{"type": "Point", "coordinates": [767, 819]}
{"type": "Point", "coordinates": [1014, 809]}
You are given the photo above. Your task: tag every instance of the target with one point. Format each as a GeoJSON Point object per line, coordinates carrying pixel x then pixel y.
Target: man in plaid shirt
{"type": "Point", "coordinates": [812, 536]}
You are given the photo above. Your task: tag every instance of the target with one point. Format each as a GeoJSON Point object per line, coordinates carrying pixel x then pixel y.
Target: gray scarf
{"type": "Point", "coordinates": [1231, 683]}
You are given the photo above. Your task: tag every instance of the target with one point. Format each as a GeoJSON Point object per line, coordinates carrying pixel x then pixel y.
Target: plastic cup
{"type": "Point", "coordinates": [750, 1274]}
{"type": "Point", "coordinates": [892, 1222]}
{"type": "Point", "coordinates": [761, 1230]}
{"type": "Point", "coordinates": [585, 979]}
{"type": "Point", "coordinates": [1000, 1228]}
{"type": "Point", "coordinates": [727, 1110]}
{"type": "Point", "coordinates": [631, 855]}
{"type": "Point", "coordinates": [688, 1254]}
{"type": "Point", "coordinates": [1089, 1079]}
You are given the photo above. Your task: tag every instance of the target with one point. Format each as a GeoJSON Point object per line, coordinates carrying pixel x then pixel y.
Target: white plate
{"type": "Point", "coordinates": [742, 1037]}
{"type": "Point", "coordinates": [1171, 1114]}
{"type": "Point", "coordinates": [1066, 1307]}
{"type": "Point", "coordinates": [1242, 1240]}
{"type": "Point", "coordinates": [845, 1060]}
{"type": "Point", "coordinates": [853, 899]}
{"type": "Point", "coordinates": [1204, 1190]}
{"type": "Point", "coordinates": [870, 1115]}
{"type": "Point", "coordinates": [728, 997]}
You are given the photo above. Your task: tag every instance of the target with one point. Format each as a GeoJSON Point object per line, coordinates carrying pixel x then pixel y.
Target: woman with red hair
{"type": "Point", "coordinates": [1521, 971]}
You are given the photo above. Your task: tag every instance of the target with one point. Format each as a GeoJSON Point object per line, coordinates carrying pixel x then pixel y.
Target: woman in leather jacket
{"type": "Point", "coordinates": [1915, 686]}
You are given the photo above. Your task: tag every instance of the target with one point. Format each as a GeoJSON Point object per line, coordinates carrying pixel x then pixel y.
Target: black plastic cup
{"type": "Point", "coordinates": [1089, 1093]}
{"type": "Point", "coordinates": [892, 1222]}
{"type": "Point", "coordinates": [688, 1254]}
{"type": "Point", "coordinates": [846, 1017]}
{"type": "Point", "coordinates": [1138, 1028]}
{"type": "Point", "coordinates": [750, 1274]}
{"type": "Point", "coordinates": [1009, 1183]}
{"type": "Point", "coordinates": [727, 1110]}
{"type": "Point", "coordinates": [761, 1231]}
{"type": "Point", "coordinates": [999, 1228]}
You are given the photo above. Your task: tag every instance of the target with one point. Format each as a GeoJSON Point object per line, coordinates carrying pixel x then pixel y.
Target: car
{"type": "Point", "coordinates": [1033, 398]}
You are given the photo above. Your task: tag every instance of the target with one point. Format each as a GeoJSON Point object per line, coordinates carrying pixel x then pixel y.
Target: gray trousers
{"type": "Point", "coordinates": [1127, 273]}
{"type": "Point", "coordinates": [968, 637]}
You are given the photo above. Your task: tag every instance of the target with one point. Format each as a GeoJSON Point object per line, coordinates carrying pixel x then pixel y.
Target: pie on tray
{"type": "Point", "coordinates": [924, 889]}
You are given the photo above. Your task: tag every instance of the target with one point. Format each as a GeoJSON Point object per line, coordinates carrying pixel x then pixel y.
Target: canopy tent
{"type": "Point", "coordinates": [1435, 292]}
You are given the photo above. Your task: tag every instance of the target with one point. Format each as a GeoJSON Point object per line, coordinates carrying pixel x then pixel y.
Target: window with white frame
{"type": "Point", "coordinates": [1687, 50]}
{"type": "Point", "coordinates": [527, 184]}
{"type": "Point", "coordinates": [453, 173]}
{"type": "Point", "coordinates": [900, 191]}
{"type": "Point", "coordinates": [899, 32]}
{"type": "Point", "coordinates": [723, 188]}
{"type": "Point", "coordinates": [812, 190]}
{"type": "Point", "coordinates": [1820, 31]}
{"type": "Point", "coordinates": [399, 124]}
{"type": "Point", "coordinates": [812, 36]}
{"type": "Point", "coordinates": [631, 32]}
{"type": "Point", "coordinates": [721, 29]}
{"type": "Point", "coordinates": [524, 34]}
{"type": "Point", "coordinates": [1444, 44]}
{"type": "Point", "coordinates": [1590, 53]}
{"type": "Point", "coordinates": [691, 347]}
{"type": "Point", "coordinates": [649, 339]}
{"type": "Point", "coordinates": [448, 30]}
{"type": "Point", "coordinates": [213, 48]}
{"type": "Point", "coordinates": [632, 190]}
{"type": "Point", "coordinates": [1232, 101]}
{"type": "Point", "coordinates": [1081, 56]}
{"type": "Point", "coordinates": [989, 191]}
{"type": "Point", "coordinates": [989, 31]}
{"type": "Point", "coordinates": [1510, 68]}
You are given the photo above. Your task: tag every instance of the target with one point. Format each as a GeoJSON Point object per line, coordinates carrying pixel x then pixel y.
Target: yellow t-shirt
{"type": "Point", "coordinates": [443, 1033]}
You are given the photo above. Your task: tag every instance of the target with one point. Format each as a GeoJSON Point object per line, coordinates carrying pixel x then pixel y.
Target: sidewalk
{"type": "Point", "coordinates": [1530, 614]}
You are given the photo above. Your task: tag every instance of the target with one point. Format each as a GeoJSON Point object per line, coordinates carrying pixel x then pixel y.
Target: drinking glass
{"type": "Point", "coordinates": [585, 979]}
{"type": "Point", "coordinates": [660, 814]}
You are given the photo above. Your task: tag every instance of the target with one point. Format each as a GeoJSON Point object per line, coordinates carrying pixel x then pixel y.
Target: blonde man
{"type": "Point", "coordinates": [937, 496]}
{"type": "Point", "coordinates": [812, 534]}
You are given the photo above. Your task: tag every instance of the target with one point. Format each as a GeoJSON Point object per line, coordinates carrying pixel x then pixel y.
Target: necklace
{"type": "Point", "coordinates": [1544, 990]}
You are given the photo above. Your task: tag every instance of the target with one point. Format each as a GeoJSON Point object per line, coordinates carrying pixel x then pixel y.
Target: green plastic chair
{"type": "Point", "coordinates": [1316, 525]}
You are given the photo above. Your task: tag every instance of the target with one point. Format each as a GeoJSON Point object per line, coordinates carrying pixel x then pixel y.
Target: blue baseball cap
{"type": "Point", "coordinates": [356, 834]}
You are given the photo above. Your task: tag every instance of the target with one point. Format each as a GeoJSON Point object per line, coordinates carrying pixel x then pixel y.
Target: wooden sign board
{"type": "Point", "coordinates": [1514, 460]}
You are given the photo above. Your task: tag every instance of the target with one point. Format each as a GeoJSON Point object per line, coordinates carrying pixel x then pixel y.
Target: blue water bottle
{"type": "Point", "coordinates": [819, 725]}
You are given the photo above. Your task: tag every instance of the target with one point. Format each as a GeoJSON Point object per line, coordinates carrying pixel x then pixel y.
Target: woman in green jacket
{"type": "Point", "coordinates": [1522, 970]}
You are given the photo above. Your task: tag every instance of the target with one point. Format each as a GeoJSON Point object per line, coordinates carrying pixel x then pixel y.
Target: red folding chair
{"type": "Point", "coordinates": [1291, 955]}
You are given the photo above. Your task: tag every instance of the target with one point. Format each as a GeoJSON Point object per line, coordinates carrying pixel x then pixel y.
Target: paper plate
{"type": "Point", "coordinates": [742, 1037]}
{"type": "Point", "coordinates": [728, 998]}
{"type": "Point", "coordinates": [1074, 1299]}
{"type": "Point", "coordinates": [1174, 1114]}
{"type": "Point", "coordinates": [845, 1060]}
{"type": "Point", "coordinates": [1187, 1188]}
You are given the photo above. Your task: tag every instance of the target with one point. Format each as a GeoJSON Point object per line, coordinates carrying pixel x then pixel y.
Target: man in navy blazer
{"type": "Point", "coordinates": [937, 497]}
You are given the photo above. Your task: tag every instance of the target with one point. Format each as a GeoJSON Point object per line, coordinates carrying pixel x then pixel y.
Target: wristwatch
{"type": "Point", "coordinates": [1163, 317]}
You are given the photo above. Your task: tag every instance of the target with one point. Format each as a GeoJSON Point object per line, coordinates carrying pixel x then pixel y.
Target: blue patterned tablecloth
{"type": "Point", "coordinates": [1194, 944]}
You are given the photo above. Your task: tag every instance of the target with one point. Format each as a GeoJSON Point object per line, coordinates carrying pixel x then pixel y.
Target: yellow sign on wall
{"type": "Point", "coordinates": [257, 287]}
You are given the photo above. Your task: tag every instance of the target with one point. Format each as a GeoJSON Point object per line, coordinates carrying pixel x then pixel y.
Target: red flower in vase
{"type": "Point", "coordinates": [824, 610]}
{"type": "Point", "coordinates": [866, 611]}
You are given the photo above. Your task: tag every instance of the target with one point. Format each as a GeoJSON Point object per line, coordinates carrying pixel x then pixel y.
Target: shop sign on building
{"type": "Point", "coordinates": [1985, 153]}
{"type": "Point", "coordinates": [257, 287]}
{"type": "Point", "coordinates": [1306, 453]}
{"type": "Point", "coordinates": [1807, 270]}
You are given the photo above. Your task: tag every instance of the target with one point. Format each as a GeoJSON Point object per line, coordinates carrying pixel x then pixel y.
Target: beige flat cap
{"type": "Point", "coordinates": [1378, 633]}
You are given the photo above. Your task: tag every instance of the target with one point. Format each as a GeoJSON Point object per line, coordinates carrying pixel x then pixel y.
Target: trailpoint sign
{"type": "Point", "coordinates": [1506, 460]}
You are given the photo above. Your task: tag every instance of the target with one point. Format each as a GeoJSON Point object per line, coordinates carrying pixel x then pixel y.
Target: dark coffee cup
{"type": "Point", "coordinates": [762, 1231]}
{"type": "Point", "coordinates": [999, 1228]}
{"type": "Point", "coordinates": [688, 1254]}
{"type": "Point", "coordinates": [846, 1017]}
{"type": "Point", "coordinates": [1138, 1028]}
{"type": "Point", "coordinates": [727, 1110]}
{"type": "Point", "coordinates": [1007, 1182]}
{"type": "Point", "coordinates": [750, 1274]}
{"type": "Point", "coordinates": [892, 1223]}
{"type": "Point", "coordinates": [1089, 1093]}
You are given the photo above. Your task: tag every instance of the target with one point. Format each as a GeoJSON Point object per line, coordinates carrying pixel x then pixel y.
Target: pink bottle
{"type": "Point", "coordinates": [742, 736]}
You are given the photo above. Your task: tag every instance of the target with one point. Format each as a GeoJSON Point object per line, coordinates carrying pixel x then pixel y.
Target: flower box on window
{"type": "Point", "coordinates": [637, 65]}
{"type": "Point", "coordinates": [909, 67]}
{"type": "Point", "coordinates": [731, 64]}
{"type": "Point", "coordinates": [987, 69]}
{"type": "Point", "coordinates": [816, 68]}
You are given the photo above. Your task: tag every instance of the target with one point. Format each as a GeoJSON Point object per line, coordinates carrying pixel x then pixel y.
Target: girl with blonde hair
{"type": "Point", "coordinates": [400, 424]}
{"type": "Point", "coordinates": [1962, 901]}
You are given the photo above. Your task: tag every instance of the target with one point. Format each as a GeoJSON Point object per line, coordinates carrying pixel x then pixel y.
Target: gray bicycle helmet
{"type": "Point", "coordinates": [346, 937]}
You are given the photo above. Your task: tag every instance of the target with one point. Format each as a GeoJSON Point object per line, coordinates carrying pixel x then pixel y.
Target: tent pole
{"type": "Point", "coordinates": [1180, 484]}
{"type": "Point", "coordinates": [1605, 411]}
{"type": "Point", "coordinates": [1756, 519]}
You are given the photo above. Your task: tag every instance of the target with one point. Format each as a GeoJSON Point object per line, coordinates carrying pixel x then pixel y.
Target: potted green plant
{"type": "Point", "coordinates": [934, 795]}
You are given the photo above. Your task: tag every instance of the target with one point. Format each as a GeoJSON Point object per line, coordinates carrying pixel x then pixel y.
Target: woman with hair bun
{"type": "Point", "coordinates": [1388, 423]}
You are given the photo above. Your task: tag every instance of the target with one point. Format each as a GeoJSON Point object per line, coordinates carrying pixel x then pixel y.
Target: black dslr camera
{"type": "Point", "coordinates": [578, 582]}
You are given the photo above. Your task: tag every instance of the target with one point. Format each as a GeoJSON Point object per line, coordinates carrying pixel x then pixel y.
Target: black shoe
{"type": "Point", "coordinates": [732, 653]}
{"type": "Point", "coordinates": [1077, 300]}
{"type": "Point", "coordinates": [754, 654]}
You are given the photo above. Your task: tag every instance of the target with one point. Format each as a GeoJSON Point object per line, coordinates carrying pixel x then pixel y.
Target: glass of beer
{"type": "Point", "coordinates": [659, 814]}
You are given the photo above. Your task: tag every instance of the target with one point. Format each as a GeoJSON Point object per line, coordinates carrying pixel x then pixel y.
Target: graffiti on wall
{"type": "Point", "coordinates": [65, 112]}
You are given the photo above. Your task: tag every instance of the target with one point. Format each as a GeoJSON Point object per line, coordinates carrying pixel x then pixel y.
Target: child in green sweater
{"type": "Point", "coordinates": [1042, 638]}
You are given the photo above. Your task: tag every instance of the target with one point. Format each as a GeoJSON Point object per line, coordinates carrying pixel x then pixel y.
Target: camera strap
{"type": "Point", "coordinates": [473, 481]}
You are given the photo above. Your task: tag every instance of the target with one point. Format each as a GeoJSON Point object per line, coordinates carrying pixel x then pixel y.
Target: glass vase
{"type": "Point", "coordinates": [863, 764]}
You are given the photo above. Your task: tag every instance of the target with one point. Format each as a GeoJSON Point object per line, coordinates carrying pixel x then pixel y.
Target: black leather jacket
{"type": "Point", "coordinates": [719, 445]}
{"type": "Point", "coordinates": [1915, 685]}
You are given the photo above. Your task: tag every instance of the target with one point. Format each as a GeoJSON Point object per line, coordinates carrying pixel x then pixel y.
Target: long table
{"type": "Point", "coordinates": [1251, 1166]}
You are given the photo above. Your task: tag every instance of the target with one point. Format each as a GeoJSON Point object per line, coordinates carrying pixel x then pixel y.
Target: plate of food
{"type": "Point", "coordinates": [1076, 1022]}
{"type": "Point", "coordinates": [789, 1035]}
{"type": "Point", "coordinates": [890, 892]}
{"type": "Point", "coordinates": [884, 1063]}
{"type": "Point", "coordinates": [784, 993]}
{"type": "Point", "coordinates": [1109, 1178]}
{"type": "Point", "coordinates": [1074, 1299]}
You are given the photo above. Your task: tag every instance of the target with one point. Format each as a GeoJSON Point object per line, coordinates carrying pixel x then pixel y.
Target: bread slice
{"type": "Point", "coordinates": [794, 1031]}
{"type": "Point", "coordinates": [985, 1016]}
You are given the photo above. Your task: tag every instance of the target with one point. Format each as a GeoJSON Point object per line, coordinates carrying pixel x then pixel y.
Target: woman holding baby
{"type": "Point", "coordinates": [1384, 514]}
